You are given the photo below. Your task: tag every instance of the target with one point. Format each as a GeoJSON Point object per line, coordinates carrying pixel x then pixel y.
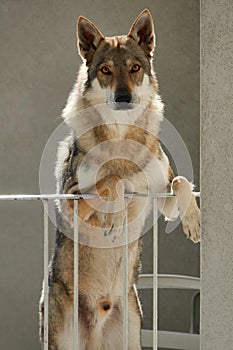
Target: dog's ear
{"type": "Point", "coordinates": [142, 31]}
{"type": "Point", "coordinates": [88, 37]}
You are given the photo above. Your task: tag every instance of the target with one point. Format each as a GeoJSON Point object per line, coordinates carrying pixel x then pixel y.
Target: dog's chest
{"type": "Point", "coordinates": [152, 178]}
{"type": "Point", "coordinates": [123, 151]}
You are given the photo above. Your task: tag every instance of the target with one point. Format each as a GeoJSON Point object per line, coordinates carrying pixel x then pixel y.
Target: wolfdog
{"type": "Point", "coordinates": [114, 112]}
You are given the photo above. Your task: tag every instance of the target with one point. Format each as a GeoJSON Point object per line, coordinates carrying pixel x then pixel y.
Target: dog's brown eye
{"type": "Point", "coordinates": [105, 70]}
{"type": "Point", "coordinates": [135, 68]}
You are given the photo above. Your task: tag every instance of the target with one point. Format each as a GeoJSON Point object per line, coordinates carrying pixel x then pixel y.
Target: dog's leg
{"type": "Point", "coordinates": [108, 210]}
{"type": "Point", "coordinates": [113, 212]}
{"type": "Point", "coordinates": [134, 322]}
{"type": "Point", "coordinates": [52, 343]}
{"type": "Point", "coordinates": [184, 204]}
{"type": "Point", "coordinates": [134, 332]}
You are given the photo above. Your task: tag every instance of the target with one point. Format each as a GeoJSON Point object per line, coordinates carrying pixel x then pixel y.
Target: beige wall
{"type": "Point", "coordinates": [38, 63]}
{"type": "Point", "coordinates": [217, 175]}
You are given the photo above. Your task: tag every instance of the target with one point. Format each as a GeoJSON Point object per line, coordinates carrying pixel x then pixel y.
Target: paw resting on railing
{"type": "Point", "coordinates": [188, 209]}
{"type": "Point", "coordinates": [106, 212]}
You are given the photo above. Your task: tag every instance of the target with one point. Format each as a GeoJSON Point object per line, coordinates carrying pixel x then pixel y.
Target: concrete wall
{"type": "Point", "coordinates": [38, 65]}
{"type": "Point", "coordinates": [216, 175]}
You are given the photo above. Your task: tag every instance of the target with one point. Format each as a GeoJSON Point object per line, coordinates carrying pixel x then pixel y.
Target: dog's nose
{"type": "Point", "coordinates": [123, 95]}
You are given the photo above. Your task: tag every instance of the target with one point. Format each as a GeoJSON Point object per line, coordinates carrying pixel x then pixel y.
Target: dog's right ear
{"type": "Point", "coordinates": [89, 37]}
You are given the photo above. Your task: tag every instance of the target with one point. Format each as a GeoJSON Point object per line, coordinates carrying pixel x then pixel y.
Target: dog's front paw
{"type": "Point", "coordinates": [181, 187]}
{"type": "Point", "coordinates": [114, 222]}
{"type": "Point", "coordinates": [191, 222]}
{"type": "Point", "coordinates": [189, 211]}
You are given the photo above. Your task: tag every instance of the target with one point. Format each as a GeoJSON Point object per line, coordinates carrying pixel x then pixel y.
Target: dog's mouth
{"type": "Point", "coordinates": [121, 100]}
{"type": "Point", "coordinates": [121, 106]}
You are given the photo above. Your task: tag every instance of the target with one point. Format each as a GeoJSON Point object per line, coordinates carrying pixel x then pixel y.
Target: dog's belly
{"type": "Point", "coordinates": [66, 337]}
{"type": "Point", "coordinates": [101, 272]}
{"type": "Point", "coordinates": [100, 299]}
{"type": "Point", "coordinates": [107, 334]}
{"type": "Point", "coordinates": [103, 332]}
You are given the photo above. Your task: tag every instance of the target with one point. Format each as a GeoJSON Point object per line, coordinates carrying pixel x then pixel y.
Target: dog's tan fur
{"type": "Point", "coordinates": [100, 125]}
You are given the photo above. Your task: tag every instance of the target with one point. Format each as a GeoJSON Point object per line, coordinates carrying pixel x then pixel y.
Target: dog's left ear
{"type": "Point", "coordinates": [142, 31]}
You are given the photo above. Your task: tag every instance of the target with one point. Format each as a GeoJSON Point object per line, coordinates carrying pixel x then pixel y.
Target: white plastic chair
{"type": "Point", "coordinates": [169, 339]}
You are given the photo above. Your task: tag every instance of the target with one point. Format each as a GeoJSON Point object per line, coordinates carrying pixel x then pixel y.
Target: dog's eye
{"type": "Point", "coordinates": [105, 70]}
{"type": "Point", "coordinates": [135, 68]}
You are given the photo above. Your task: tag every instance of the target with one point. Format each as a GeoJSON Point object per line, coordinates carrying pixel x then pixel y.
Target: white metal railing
{"type": "Point", "coordinates": [155, 274]}
{"type": "Point", "coordinates": [125, 282]}
{"type": "Point", "coordinates": [75, 341]}
{"type": "Point", "coordinates": [145, 281]}
{"type": "Point", "coordinates": [46, 276]}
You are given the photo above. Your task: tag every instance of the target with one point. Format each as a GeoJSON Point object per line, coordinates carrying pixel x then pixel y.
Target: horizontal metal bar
{"type": "Point", "coordinates": [46, 196]}
{"type": "Point", "coordinates": [171, 340]}
{"type": "Point", "coordinates": [145, 281]}
{"type": "Point", "coordinates": [85, 196]}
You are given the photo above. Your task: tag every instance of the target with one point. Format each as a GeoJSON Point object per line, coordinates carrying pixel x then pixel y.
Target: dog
{"type": "Point", "coordinates": [114, 111]}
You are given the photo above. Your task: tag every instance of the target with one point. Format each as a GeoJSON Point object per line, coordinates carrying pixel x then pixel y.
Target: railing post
{"type": "Point", "coordinates": [46, 275]}
{"type": "Point", "coordinates": [75, 338]}
{"type": "Point", "coordinates": [155, 274]}
{"type": "Point", "coordinates": [125, 280]}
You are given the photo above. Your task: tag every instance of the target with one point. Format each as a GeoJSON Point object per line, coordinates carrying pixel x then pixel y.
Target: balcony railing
{"type": "Point", "coordinates": [150, 338]}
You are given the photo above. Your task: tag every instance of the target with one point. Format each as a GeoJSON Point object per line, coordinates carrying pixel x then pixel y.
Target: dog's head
{"type": "Point", "coordinates": [119, 68]}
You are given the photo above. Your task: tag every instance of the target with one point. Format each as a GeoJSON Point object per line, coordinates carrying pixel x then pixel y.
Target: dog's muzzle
{"type": "Point", "coordinates": [123, 99]}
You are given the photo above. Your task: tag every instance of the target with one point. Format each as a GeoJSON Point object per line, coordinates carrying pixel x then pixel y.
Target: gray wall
{"type": "Point", "coordinates": [38, 65]}
{"type": "Point", "coordinates": [217, 175]}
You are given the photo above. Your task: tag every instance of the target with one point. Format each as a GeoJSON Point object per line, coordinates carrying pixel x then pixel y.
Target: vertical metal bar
{"type": "Point", "coordinates": [75, 337]}
{"type": "Point", "coordinates": [155, 273]}
{"type": "Point", "coordinates": [46, 275]}
{"type": "Point", "coordinates": [125, 281]}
